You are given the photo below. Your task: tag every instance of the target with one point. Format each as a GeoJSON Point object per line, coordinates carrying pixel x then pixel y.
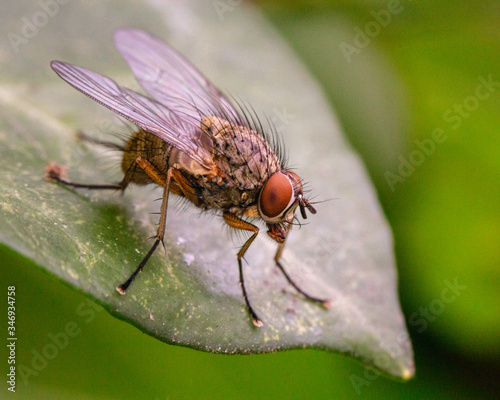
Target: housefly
{"type": "Point", "coordinates": [195, 143]}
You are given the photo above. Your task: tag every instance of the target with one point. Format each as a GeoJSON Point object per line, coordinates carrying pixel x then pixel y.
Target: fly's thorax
{"type": "Point", "coordinates": [241, 153]}
{"type": "Point", "coordinates": [227, 197]}
{"type": "Point", "coordinates": [180, 160]}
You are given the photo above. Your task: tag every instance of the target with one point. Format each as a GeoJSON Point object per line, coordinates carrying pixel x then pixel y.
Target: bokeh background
{"type": "Point", "coordinates": [423, 68]}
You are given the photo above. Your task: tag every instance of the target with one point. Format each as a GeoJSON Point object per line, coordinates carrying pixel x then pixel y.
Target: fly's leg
{"type": "Point", "coordinates": [158, 177]}
{"type": "Point", "coordinates": [55, 172]}
{"type": "Point", "coordinates": [324, 303]}
{"type": "Point", "coordinates": [185, 188]}
{"type": "Point", "coordinates": [237, 223]}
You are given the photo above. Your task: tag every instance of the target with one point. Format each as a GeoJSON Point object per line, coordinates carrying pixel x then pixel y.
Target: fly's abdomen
{"type": "Point", "coordinates": [149, 147]}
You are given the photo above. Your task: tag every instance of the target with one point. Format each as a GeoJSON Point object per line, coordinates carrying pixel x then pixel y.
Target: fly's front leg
{"type": "Point", "coordinates": [324, 303]}
{"type": "Point", "coordinates": [159, 178]}
{"type": "Point", "coordinates": [237, 223]}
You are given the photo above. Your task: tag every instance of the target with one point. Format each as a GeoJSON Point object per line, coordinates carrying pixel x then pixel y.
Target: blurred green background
{"type": "Point", "coordinates": [417, 74]}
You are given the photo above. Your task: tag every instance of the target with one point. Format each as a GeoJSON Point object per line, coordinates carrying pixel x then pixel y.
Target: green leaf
{"type": "Point", "coordinates": [189, 294]}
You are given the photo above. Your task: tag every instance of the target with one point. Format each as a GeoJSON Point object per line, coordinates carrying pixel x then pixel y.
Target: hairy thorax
{"type": "Point", "coordinates": [240, 163]}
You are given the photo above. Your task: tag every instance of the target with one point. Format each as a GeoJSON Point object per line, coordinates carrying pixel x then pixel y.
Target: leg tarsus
{"type": "Point", "coordinates": [235, 222]}
{"type": "Point", "coordinates": [158, 238]}
{"type": "Point", "coordinates": [122, 289]}
{"type": "Point", "coordinates": [255, 319]}
{"type": "Point", "coordinates": [57, 173]}
{"type": "Point", "coordinates": [324, 303]}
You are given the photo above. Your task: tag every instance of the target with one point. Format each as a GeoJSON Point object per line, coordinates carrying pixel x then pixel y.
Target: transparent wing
{"type": "Point", "coordinates": [142, 111]}
{"type": "Point", "coordinates": [170, 78]}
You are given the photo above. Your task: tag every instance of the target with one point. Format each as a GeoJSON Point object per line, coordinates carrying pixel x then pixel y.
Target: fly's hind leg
{"type": "Point", "coordinates": [57, 173]}
{"type": "Point", "coordinates": [324, 303]}
{"type": "Point", "coordinates": [237, 223]}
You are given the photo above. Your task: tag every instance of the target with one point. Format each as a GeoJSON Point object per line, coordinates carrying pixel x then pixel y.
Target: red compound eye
{"type": "Point", "coordinates": [276, 195]}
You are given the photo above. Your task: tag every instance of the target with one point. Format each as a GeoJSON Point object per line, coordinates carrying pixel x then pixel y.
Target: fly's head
{"type": "Point", "coordinates": [278, 200]}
